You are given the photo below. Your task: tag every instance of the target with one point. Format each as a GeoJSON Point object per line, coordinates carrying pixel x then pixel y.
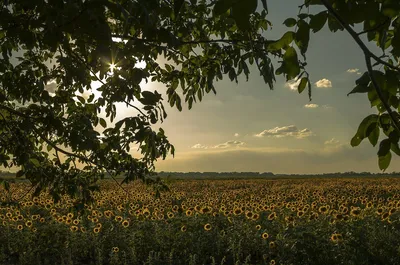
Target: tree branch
{"type": "Point", "coordinates": [355, 36]}
{"type": "Point", "coordinates": [368, 55]}
{"type": "Point", "coordinates": [374, 28]}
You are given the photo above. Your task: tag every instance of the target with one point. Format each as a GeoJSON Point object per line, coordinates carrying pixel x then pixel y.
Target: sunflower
{"type": "Point", "coordinates": [271, 216]}
{"type": "Point", "coordinates": [118, 218]}
{"type": "Point", "coordinates": [384, 216]}
{"type": "Point", "coordinates": [20, 227]}
{"type": "Point", "coordinates": [272, 262]}
{"type": "Point", "coordinates": [189, 212]}
{"type": "Point", "coordinates": [28, 223]}
{"type": "Point", "coordinates": [115, 249]}
{"type": "Point", "coordinates": [74, 228]}
{"type": "Point", "coordinates": [323, 209]}
{"type": "Point", "coordinates": [183, 228]}
{"type": "Point", "coordinates": [125, 223]}
{"type": "Point", "coordinates": [249, 215]}
{"type": "Point", "coordinates": [237, 211]}
{"type": "Point", "coordinates": [170, 215]}
{"type": "Point", "coordinates": [336, 238]}
{"type": "Point", "coordinates": [356, 211]}
{"type": "Point", "coordinates": [265, 236]}
{"type": "Point", "coordinates": [258, 227]}
{"type": "Point", "coordinates": [300, 213]}
{"type": "Point", "coordinates": [96, 230]}
{"type": "Point", "coordinates": [272, 244]}
{"type": "Point", "coordinates": [207, 227]}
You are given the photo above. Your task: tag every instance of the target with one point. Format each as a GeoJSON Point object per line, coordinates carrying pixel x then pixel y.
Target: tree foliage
{"type": "Point", "coordinates": [53, 135]}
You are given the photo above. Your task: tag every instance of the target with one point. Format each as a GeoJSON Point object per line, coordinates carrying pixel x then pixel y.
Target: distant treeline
{"type": "Point", "coordinates": [207, 175]}
{"type": "Point", "coordinates": [214, 175]}
{"type": "Point", "coordinates": [241, 175]}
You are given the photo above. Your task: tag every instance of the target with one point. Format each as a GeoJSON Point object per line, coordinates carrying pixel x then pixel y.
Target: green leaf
{"type": "Point", "coordinates": [35, 162]}
{"type": "Point", "coordinates": [360, 89]}
{"type": "Point", "coordinates": [81, 99]}
{"type": "Point", "coordinates": [395, 148]}
{"type": "Point", "coordinates": [363, 80]}
{"type": "Point", "coordinates": [318, 21]}
{"type": "Point", "coordinates": [362, 129]}
{"type": "Point", "coordinates": [150, 98]}
{"type": "Point", "coordinates": [283, 42]}
{"type": "Point", "coordinates": [302, 84]}
{"type": "Point", "coordinates": [291, 62]}
{"type": "Point", "coordinates": [20, 173]}
{"type": "Point", "coordinates": [241, 10]}
{"type": "Point", "coordinates": [384, 147]}
{"type": "Point", "coordinates": [384, 161]}
{"type": "Point", "coordinates": [222, 6]}
{"type": "Point", "coordinates": [302, 37]}
{"type": "Point", "coordinates": [177, 6]}
{"type": "Point", "coordinates": [290, 22]}
{"type": "Point", "coordinates": [333, 24]}
{"type": "Point", "coordinates": [103, 123]}
{"type": "Point", "coordinates": [373, 133]}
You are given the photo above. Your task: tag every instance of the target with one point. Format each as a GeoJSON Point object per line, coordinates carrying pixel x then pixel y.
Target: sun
{"type": "Point", "coordinates": [112, 67]}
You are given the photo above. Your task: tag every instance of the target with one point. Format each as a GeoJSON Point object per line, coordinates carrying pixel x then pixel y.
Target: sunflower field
{"type": "Point", "coordinates": [298, 221]}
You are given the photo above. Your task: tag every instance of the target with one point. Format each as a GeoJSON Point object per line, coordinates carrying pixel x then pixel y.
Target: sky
{"type": "Point", "coordinates": [247, 127]}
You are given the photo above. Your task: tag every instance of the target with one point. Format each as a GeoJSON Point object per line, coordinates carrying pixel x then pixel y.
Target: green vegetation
{"type": "Point", "coordinates": [307, 221]}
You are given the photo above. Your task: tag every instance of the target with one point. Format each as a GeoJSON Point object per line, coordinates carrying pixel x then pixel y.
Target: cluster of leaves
{"type": "Point", "coordinates": [52, 52]}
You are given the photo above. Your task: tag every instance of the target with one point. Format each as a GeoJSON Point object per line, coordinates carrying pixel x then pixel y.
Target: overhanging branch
{"type": "Point", "coordinates": [368, 55]}
{"type": "Point", "coordinates": [356, 37]}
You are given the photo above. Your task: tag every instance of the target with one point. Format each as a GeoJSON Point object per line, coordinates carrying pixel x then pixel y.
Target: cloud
{"type": "Point", "coordinates": [229, 144]}
{"type": "Point", "coordinates": [323, 83]}
{"type": "Point", "coordinates": [236, 135]}
{"type": "Point", "coordinates": [334, 145]}
{"type": "Point", "coordinates": [292, 84]}
{"type": "Point", "coordinates": [285, 131]}
{"type": "Point", "coordinates": [199, 146]}
{"type": "Point", "coordinates": [353, 70]}
{"type": "Point", "coordinates": [332, 141]}
{"type": "Point", "coordinates": [311, 106]}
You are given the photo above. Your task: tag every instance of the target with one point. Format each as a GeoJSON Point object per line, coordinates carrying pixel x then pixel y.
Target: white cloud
{"type": "Point", "coordinates": [229, 144]}
{"type": "Point", "coordinates": [292, 84]}
{"type": "Point", "coordinates": [333, 145]}
{"type": "Point", "coordinates": [285, 131]}
{"type": "Point", "coordinates": [311, 106]}
{"type": "Point", "coordinates": [323, 83]}
{"type": "Point", "coordinates": [353, 70]}
{"type": "Point", "coordinates": [199, 146]}
{"type": "Point", "coordinates": [236, 135]}
{"type": "Point", "coordinates": [332, 141]}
